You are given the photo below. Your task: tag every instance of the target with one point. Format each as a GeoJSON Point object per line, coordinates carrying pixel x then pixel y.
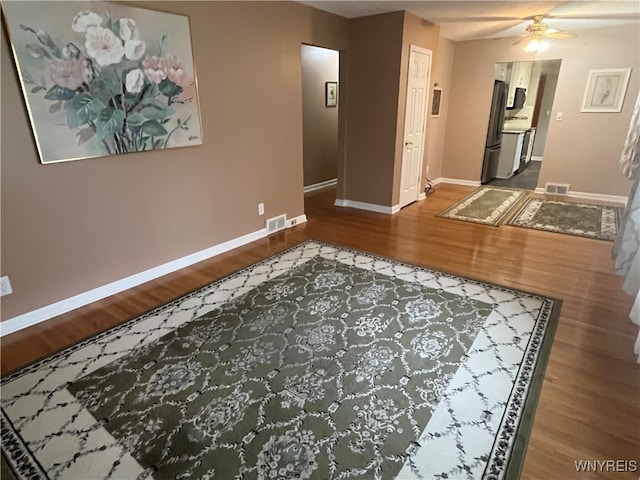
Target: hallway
{"type": "Point", "coordinates": [527, 179]}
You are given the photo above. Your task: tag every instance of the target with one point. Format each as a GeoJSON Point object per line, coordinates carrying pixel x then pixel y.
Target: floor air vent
{"type": "Point", "coordinates": [557, 188]}
{"type": "Point", "coordinates": [276, 223]}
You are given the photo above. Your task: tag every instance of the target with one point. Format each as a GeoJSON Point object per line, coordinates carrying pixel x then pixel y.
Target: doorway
{"type": "Point", "coordinates": [525, 125]}
{"type": "Point", "coordinates": [320, 106]}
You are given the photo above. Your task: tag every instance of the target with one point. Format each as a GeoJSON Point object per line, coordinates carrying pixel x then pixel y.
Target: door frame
{"type": "Point", "coordinates": [415, 48]}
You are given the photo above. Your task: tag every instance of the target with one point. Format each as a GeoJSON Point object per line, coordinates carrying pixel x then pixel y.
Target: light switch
{"type": "Point", "coordinates": [559, 116]}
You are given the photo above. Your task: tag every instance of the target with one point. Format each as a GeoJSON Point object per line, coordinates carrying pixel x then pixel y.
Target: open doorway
{"type": "Point", "coordinates": [320, 105]}
{"type": "Point", "coordinates": [529, 89]}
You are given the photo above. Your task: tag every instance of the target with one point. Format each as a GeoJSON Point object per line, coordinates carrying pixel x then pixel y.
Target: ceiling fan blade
{"type": "Point", "coordinates": [558, 34]}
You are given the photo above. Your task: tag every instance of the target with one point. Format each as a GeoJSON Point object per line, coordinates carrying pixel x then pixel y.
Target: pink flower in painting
{"type": "Point", "coordinates": [67, 73]}
{"type": "Point", "coordinates": [175, 70]}
{"type": "Point", "coordinates": [154, 69]}
{"type": "Point", "coordinates": [103, 46]}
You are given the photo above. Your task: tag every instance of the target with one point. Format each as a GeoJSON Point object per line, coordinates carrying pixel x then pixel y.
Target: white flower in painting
{"type": "Point", "coordinates": [103, 46]}
{"type": "Point", "coordinates": [134, 49]}
{"type": "Point", "coordinates": [83, 20]}
{"type": "Point", "coordinates": [128, 29]}
{"type": "Point", "coordinates": [134, 81]}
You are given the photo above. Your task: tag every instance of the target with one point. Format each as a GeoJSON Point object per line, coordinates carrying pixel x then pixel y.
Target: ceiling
{"type": "Point", "coordinates": [479, 19]}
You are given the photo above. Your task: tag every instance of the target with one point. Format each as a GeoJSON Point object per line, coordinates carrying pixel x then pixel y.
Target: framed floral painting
{"type": "Point", "coordinates": [102, 78]}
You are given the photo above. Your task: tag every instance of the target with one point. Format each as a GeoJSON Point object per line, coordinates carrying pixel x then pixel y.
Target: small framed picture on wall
{"type": "Point", "coordinates": [437, 99]}
{"type": "Point", "coordinates": [331, 94]}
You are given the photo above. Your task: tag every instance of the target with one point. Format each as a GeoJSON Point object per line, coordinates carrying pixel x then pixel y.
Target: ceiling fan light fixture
{"type": "Point", "coordinates": [535, 45]}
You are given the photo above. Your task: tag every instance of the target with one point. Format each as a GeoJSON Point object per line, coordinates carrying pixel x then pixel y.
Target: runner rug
{"type": "Point", "coordinates": [319, 362]}
{"type": "Point", "coordinates": [486, 205]}
{"type": "Point", "coordinates": [593, 221]}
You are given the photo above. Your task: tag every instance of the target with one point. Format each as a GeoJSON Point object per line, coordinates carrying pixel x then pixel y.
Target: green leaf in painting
{"type": "Point", "coordinates": [153, 113]}
{"type": "Point", "coordinates": [169, 89]}
{"type": "Point", "coordinates": [153, 102]}
{"type": "Point", "coordinates": [135, 120]}
{"type": "Point", "coordinates": [105, 88]}
{"type": "Point", "coordinates": [37, 89]}
{"type": "Point", "coordinates": [153, 128]}
{"type": "Point", "coordinates": [109, 122]}
{"type": "Point", "coordinates": [83, 108]}
{"type": "Point", "coordinates": [84, 135]}
{"type": "Point", "coordinates": [59, 93]}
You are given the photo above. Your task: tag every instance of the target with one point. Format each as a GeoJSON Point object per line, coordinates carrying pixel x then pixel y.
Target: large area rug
{"type": "Point", "coordinates": [581, 219]}
{"type": "Point", "coordinates": [486, 205]}
{"type": "Point", "coordinates": [319, 362]}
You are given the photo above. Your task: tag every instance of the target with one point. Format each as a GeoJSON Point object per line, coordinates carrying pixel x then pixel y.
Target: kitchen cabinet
{"type": "Point", "coordinates": [510, 153]}
{"type": "Point", "coordinates": [519, 78]}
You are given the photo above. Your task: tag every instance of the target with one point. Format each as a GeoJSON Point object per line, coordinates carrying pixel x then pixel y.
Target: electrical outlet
{"type": "Point", "coordinates": [559, 116]}
{"type": "Point", "coordinates": [5, 286]}
{"type": "Point", "coordinates": [261, 209]}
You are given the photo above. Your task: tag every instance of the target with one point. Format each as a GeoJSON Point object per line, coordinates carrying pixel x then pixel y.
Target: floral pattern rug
{"type": "Point", "coordinates": [486, 205]}
{"type": "Point", "coordinates": [581, 219]}
{"type": "Point", "coordinates": [320, 362]}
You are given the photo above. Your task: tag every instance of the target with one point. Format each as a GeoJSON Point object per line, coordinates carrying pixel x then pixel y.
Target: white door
{"type": "Point", "coordinates": [414, 124]}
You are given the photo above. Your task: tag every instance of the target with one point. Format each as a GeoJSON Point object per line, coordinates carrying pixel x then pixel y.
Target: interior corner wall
{"type": "Point", "coordinates": [437, 126]}
{"type": "Point", "coordinates": [421, 33]}
{"type": "Point", "coordinates": [373, 62]}
{"type": "Point", "coordinates": [584, 148]}
{"type": "Point", "coordinates": [71, 227]}
{"type": "Point", "coordinates": [320, 123]}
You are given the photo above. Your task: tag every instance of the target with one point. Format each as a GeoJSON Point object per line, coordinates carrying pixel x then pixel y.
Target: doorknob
{"type": "Point", "coordinates": [408, 144]}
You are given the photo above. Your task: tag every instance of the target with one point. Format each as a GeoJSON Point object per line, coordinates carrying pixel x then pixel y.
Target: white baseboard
{"type": "Point", "coordinates": [296, 220]}
{"type": "Point", "coordinates": [318, 186]}
{"type": "Point", "coordinates": [422, 196]}
{"type": "Point", "coordinates": [367, 206]}
{"type": "Point", "coordinates": [590, 196]}
{"type": "Point", "coordinates": [456, 181]}
{"type": "Point", "coordinates": [63, 306]}
{"type": "Point", "coordinates": [536, 159]}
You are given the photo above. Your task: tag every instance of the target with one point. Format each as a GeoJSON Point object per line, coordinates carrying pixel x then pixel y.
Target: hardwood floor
{"type": "Point", "coordinates": [589, 407]}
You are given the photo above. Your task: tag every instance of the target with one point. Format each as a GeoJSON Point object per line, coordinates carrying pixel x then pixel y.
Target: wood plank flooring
{"type": "Point", "coordinates": [589, 408]}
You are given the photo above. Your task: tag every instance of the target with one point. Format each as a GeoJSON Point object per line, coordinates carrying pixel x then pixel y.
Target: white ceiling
{"type": "Point", "coordinates": [477, 19]}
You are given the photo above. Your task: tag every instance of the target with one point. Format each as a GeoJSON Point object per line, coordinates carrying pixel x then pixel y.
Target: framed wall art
{"type": "Point", "coordinates": [605, 89]}
{"type": "Point", "coordinates": [435, 104]}
{"type": "Point", "coordinates": [100, 78]}
{"type": "Point", "coordinates": [331, 94]}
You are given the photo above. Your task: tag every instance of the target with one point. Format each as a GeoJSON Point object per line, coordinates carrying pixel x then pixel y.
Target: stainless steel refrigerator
{"type": "Point", "coordinates": [494, 132]}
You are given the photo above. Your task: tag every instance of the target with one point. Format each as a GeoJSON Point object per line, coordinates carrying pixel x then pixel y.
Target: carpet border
{"type": "Point", "coordinates": [523, 434]}
{"type": "Point", "coordinates": [618, 212]}
{"type": "Point", "coordinates": [516, 459]}
{"type": "Point", "coordinates": [501, 219]}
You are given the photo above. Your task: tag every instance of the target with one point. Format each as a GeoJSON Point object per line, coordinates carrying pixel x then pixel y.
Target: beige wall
{"type": "Point", "coordinates": [378, 60]}
{"type": "Point", "coordinates": [436, 126]}
{"type": "Point", "coordinates": [423, 34]}
{"type": "Point", "coordinates": [71, 227]}
{"type": "Point", "coordinates": [583, 149]}
{"type": "Point", "coordinates": [320, 123]}
{"type": "Point", "coordinates": [373, 59]}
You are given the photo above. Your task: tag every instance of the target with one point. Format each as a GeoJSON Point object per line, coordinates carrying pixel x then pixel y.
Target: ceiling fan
{"type": "Point", "coordinates": [537, 32]}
